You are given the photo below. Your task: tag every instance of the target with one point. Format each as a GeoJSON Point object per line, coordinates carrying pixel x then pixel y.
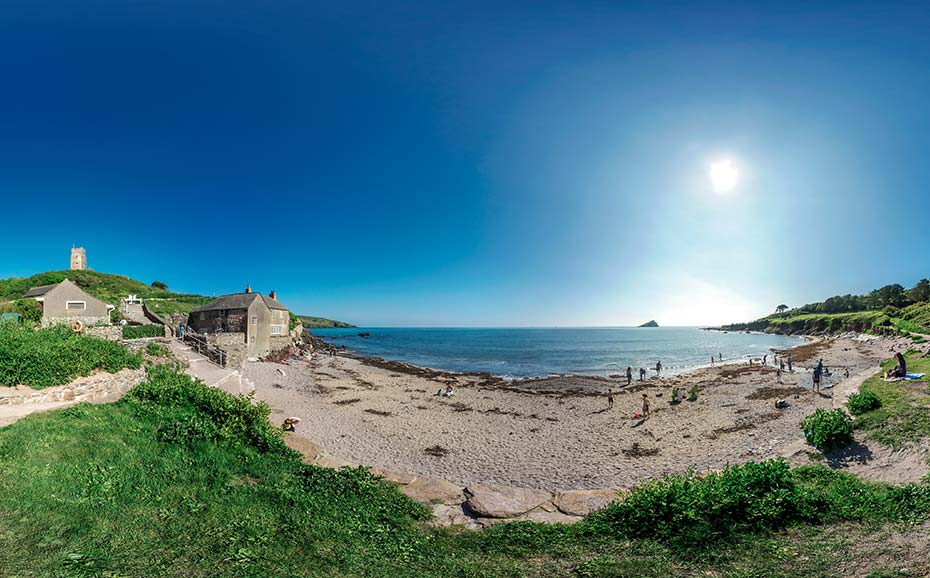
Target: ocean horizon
{"type": "Point", "coordinates": [541, 351]}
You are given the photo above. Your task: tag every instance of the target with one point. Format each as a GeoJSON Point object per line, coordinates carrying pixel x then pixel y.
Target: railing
{"type": "Point", "coordinates": [199, 343]}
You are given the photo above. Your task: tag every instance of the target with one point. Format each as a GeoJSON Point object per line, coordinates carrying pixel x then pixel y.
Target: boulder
{"type": "Point", "coordinates": [545, 517]}
{"type": "Point", "coordinates": [400, 478]}
{"type": "Point", "coordinates": [583, 502]}
{"type": "Point", "coordinates": [495, 501]}
{"type": "Point", "coordinates": [455, 515]}
{"type": "Point", "coordinates": [433, 491]}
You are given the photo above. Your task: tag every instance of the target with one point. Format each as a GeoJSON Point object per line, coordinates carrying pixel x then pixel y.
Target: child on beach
{"type": "Point", "coordinates": [610, 399]}
{"type": "Point", "coordinates": [645, 406]}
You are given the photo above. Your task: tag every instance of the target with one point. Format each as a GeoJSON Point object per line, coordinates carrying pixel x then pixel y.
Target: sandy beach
{"type": "Point", "coordinates": [554, 433]}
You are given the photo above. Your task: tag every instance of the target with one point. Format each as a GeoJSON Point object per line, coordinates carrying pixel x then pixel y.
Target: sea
{"type": "Point", "coordinates": [540, 352]}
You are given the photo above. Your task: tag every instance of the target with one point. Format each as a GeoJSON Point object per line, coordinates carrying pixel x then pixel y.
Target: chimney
{"type": "Point", "coordinates": [273, 295]}
{"type": "Point", "coordinates": [248, 288]}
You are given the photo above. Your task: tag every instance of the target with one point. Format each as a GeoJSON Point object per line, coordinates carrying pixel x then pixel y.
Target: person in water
{"type": "Point", "coordinates": [642, 373]}
{"type": "Point", "coordinates": [900, 370]}
{"type": "Point", "coordinates": [658, 368]}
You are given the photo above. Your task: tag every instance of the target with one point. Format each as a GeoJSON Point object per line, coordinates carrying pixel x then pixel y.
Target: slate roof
{"type": "Point", "coordinates": [40, 291]}
{"type": "Point", "coordinates": [238, 301]}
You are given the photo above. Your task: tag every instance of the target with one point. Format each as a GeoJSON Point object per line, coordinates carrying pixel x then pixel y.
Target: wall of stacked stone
{"type": "Point", "coordinates": [108, 332]}
{"type": "Point", "coordinates": [137, 344]}
{"type": "Point", "coordinates": [95, 387]}
{"type": "Point", "coordinates": [279, 342]}
{"type": "Point", "coordinates": [233, 344]}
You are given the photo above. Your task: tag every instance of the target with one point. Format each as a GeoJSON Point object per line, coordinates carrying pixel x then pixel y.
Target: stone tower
{"type": "Point", "coordinates": [78, 259]}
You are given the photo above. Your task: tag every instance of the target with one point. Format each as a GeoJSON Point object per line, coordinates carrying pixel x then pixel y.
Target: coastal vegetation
{"type": "Point", "coordinates": [903, 413]}
{"type": "Point", "coordinates": [56, 356]}
{"type": "Point", "coordinates": [111, 288]}
{"type": "Point", "coordinates": [889, 309]}
{"type": "Point", "coordinates": [181, 479]}
{"type": "Point", "coordinates": [142, 331]}
{"type": "Point", "coordinates": [826, 430]}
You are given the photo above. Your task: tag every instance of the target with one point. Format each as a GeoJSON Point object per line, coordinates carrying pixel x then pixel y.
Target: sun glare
{"type": "Point", "coordinates": [723, 175]}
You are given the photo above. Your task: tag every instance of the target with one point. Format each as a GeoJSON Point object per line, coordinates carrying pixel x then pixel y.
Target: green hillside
{"type": "Point", "coordinates": [110, 288]}
{"type": "Point", "coordinates": [321, 322]}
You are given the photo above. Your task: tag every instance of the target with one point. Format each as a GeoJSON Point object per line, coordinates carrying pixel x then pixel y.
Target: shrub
{"type": "Point", "coordinates": [56, 356]}
{"type": "Point", "coordinates": [233, 417]}
{"type": "Point", "coordinates": [864, 401]}
{"type": "Point", "coordinates": [696, 510]}
{"type": "Point", "coordinates": [826, 430]}
{"type": "Point", "coordinates": [142, 331]}
{"type": "Point", "coordinates": [160, 285]}
{"type": "Point", "coordinates": [157, 350]}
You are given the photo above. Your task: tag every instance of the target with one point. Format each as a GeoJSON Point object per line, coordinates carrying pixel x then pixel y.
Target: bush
{"type": "Point", "coordinates": [160, 285]}
{"type": "Point", "coordinates": [142, 331]}
{"type": "Point", "coordinates": [696, 510]}
{"type": "Point", "coordinates": [56, 356]}
{"type": "Point", "coordinates": [157, 350]}
{"type": "Point", "coordinates": [864, 401]}
{"type": "Point", "coordinates": [826, 430]}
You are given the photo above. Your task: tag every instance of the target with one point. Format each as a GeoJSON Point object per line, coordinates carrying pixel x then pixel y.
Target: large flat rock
{"type": "Point", "coordinates": [495, 501]}
{"type": "Point", "coordinates": [583, 502]}
{"type": "Point", "coordinates": [433, 491]}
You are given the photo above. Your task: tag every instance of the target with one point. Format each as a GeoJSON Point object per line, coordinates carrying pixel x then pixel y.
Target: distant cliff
{"type": "Point", "coordinates": [321, 322]}
{"type": "Point", "coordinates": [650, 324]}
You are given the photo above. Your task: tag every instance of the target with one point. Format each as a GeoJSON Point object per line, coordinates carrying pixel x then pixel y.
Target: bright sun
{"type": "Point", "coordinates": [723, 175]}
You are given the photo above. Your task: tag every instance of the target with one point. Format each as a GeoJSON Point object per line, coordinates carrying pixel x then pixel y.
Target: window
{"type": "Point", "coordinates": [254, 320]}
{"type": "Point", "coordinates": [276, 330]}
{"type": "Point", "coordinates": [76, 305]}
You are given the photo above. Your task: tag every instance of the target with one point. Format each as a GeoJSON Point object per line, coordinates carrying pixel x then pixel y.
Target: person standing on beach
{"type": "Point", "coordinates": [646, 411]}
{"type": "Point", "coordinates": [658, 368]}
{"type": "Point", "coordinates": [817, 375]}
{"type": "Point", "coordinates": [765, 359]}
{"type": "Point", "coordinates": [711, 360]}
{"type": "Point", "coordinates": [790, 369]}
{"type": "Point", "coordinates": [642, 373]}
{"type": "Point", "coordinates": [610, 399]}
{"type": "Point", "coordinates": [629, 375]}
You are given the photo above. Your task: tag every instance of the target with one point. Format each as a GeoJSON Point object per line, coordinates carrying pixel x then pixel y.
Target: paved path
{"type": "Point", "coordinates": [200, 367]}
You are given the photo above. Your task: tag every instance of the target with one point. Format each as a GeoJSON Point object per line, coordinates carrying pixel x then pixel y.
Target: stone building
{"type": "Point", "coordinates": [259, 322]}
{"type": "Point", "coordinates": [66, 302]}
{"type": "Point", "coordinates": [78, 259]}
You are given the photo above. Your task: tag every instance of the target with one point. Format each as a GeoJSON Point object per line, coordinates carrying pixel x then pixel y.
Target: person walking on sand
{"type": "Point", "coordinates": [646, 411]}
{"type": "Point", "coordinates": [629, 375]}
{"type": "Point", "coordinates": [610, 399]}
{"type": "Point", "coordinates": [642, 373]}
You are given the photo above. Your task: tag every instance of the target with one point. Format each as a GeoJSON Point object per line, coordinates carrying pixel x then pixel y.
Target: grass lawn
{"type": "Point", "coordinates": [178, 479]}
{"type": "Point", "coordinates": [904, 416]}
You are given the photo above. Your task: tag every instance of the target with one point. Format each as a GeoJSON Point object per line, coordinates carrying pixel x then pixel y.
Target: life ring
{"type": "Point", "coordinates": [77, 326]}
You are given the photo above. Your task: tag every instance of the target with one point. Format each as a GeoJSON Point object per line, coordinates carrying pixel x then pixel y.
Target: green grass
{"type": "Point", "coordinates": [142, 331]}
{"type": "Point", "coordinates": [56, 356]}
{"type": "Point", "coordinates": [178, 479]}
{"type": "Point", "coordinates": [904, 415]}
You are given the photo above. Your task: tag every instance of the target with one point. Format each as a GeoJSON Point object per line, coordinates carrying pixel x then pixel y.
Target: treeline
{"type": "Point", "coordinates": [894, 295]}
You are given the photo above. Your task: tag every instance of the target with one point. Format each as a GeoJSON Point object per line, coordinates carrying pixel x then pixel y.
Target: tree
{"type": "Point", "coordinates": [920, 291]}
{"type": "Point", "coordinates": [160, 285]}
{"type": "Point", "coordinates": [888, 295]}
{"type": "Point", "coordinates": [781, 308]}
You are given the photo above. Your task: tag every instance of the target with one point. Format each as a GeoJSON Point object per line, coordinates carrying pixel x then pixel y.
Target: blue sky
{"type": "Point", "coordinates": [472, 163]}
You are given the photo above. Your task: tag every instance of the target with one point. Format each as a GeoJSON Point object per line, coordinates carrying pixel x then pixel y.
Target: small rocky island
{"type": "Point", "coordinates": [650, 324]}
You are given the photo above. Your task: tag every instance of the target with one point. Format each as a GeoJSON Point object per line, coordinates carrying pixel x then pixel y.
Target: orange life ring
{"type": "Point", "coordinates": [77, 326]}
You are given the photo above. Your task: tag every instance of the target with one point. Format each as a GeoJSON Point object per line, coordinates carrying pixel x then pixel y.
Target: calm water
{"type": "Point", "coordinates": [540, 352]}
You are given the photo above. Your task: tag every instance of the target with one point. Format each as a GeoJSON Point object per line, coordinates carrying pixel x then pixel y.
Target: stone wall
{"type": "Point", "coordinates": [279, 342]}
{"type": "Point", "coordinates": [233, 344]}
{"type": "Point", "coordinates": [108, 332]}
{"type": "Point", "coordinates": [92, 388]}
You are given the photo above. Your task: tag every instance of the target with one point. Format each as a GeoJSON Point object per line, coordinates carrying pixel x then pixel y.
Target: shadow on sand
{"type": "Point", "coordinates": [853, 454]}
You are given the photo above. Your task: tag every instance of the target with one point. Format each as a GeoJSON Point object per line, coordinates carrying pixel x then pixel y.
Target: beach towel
{"type": "Point", "coordinates": [908, 377]}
